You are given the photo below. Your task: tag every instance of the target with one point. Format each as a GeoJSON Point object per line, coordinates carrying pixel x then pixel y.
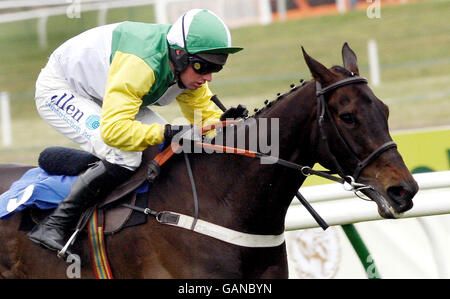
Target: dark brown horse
{"type": "Point", "coordinates": [347, 133]}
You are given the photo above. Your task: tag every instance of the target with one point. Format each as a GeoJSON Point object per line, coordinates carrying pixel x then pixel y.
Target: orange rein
{"type": "Point", "coordinates": [166, 154]}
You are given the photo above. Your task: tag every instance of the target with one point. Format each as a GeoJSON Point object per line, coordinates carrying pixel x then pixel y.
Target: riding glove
{"type": "Point", "coordinates": [177, 134]}
{"type": "Point", "coordinates": [235, 112]}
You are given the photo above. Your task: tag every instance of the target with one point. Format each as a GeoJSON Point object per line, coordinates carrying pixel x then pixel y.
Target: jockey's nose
{"type": "Point", "coordinates": [207, 77]}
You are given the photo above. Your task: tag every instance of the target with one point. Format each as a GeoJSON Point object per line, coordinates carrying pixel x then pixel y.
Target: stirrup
{"type": "Point", "coordinates": [63, 252]}
{"type": "Point", "coordinates": [82, 222]}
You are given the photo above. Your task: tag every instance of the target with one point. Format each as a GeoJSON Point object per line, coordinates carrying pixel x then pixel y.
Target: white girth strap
{"type": "Point", "coordinates": [219, 232]}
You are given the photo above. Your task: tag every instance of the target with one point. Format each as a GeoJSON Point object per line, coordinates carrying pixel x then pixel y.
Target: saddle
{"type": "Point", "coordinates": [68, 161]}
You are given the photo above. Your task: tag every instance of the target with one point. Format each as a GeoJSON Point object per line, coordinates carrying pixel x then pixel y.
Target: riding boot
{"type": "Point", "coordinates": [91, 186]}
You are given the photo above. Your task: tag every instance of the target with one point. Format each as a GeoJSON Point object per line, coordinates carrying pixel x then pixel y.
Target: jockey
{"type": "Point", "coordinates": [95, 90]}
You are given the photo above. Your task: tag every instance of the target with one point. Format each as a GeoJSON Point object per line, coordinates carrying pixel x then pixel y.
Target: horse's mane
{"type": "Point", "coordinates": [280, 96]}
{"type": "Point", "coordinates": [268, 105]}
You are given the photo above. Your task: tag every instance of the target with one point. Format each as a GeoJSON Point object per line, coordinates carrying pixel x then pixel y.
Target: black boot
{"type": "Point", "coordinates": [93, 185]}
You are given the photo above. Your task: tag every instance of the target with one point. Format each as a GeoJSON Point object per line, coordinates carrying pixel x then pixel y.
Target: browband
{"type": "Point", "coordinates": [340, 83]}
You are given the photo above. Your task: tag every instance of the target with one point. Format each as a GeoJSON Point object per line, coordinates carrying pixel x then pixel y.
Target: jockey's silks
{"type": "Point", "coordinates": [126, 66]}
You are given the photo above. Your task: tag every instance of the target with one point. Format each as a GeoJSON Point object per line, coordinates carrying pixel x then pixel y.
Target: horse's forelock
{"type": "Point", "coordinates": [341, 70]}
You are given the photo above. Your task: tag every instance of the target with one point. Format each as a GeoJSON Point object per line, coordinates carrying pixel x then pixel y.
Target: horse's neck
{"type": "Point", "coordinates": [265, 191]}
{"type": "Point", "coordinates": [295, 112]}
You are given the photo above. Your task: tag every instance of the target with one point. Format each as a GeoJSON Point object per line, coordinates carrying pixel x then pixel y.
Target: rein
{"type": "Point", "coordinates": [251, 240]}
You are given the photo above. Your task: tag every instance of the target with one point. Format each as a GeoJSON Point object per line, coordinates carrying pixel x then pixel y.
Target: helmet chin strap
{"type": "Point", "coordinates": [180, 62]}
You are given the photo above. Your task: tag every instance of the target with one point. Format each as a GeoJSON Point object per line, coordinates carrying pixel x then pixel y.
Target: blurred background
{"type": "Point", "coordinates": [403, 48]}
{"type": "Point", "coordinates": [411, 40]}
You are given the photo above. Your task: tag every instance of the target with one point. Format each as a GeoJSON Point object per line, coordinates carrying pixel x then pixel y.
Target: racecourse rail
{"type": "Point", "coordinates": [339, 207]}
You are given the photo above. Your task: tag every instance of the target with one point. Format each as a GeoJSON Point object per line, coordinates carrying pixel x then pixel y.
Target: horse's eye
{"type": "Point", "coordinates": [348, 118]}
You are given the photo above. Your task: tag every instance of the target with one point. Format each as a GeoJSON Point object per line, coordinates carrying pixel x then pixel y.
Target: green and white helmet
{"type": "Point", "coordinates": [201, 31]}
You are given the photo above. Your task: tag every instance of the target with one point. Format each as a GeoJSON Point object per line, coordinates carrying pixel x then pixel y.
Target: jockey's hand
{"type": "Point", "coordinates": [235, 112]}
{"type": "Point", "coordinates": [171, 130]}
{"type": "Point", "coordinates": [174, 133]}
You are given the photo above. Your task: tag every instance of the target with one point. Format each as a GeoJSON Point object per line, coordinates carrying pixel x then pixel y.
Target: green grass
{"type": "Point", "coordinates": [413, 42]}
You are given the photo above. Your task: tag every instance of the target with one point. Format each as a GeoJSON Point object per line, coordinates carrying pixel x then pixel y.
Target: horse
{"type": "Point", "coordinates": [334, 119]}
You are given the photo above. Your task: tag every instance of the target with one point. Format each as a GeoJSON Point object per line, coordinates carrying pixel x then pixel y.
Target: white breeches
{"type": "Point", "coordinates": [78, 118]}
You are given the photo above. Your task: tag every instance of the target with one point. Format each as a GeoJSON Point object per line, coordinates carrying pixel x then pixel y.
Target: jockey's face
{"type": "Point", "coordinates": [193, 80]}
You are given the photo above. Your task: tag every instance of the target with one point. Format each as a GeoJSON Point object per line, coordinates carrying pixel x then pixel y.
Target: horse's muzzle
{"type": "Point", "coordinates": [401, 197]}
{"type": "Point", "coordinates": [397, 199]}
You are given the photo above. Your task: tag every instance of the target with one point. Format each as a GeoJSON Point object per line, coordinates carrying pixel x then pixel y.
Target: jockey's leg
{"type": "Point", "coordinates": [93, 185]}
{"type": "Point", "coordinates": [77, 117]}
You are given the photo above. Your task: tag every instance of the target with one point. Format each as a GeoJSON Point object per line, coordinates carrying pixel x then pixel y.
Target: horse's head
{"type": "Point", "coordinates": [353, 137]}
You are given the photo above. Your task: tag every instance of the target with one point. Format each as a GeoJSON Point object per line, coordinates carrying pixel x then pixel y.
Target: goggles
{"type": "Point", "coordinates": [203, 67]}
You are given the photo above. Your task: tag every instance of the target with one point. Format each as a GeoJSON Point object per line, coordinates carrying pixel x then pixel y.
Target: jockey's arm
{"type": "Point", "coordinates": [197, 107]}
{"type": "Point", "coordinates": [129, 79]}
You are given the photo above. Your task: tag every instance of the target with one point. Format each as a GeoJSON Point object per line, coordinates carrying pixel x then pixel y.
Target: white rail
{"type": "Point", "coordinates": [5, 119]}
{"type": "Point", "coordinates": [8, 4]}
{"type": "Point", "coordinates": [69, 8]}
{"type": "Point", "coordinates": [339, 207]}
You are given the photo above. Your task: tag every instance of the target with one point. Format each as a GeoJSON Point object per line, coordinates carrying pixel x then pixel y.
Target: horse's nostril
{"type": "Point", "coordinates": [396, 191]}
{"type": "Point", "coordinates": [400, 196]}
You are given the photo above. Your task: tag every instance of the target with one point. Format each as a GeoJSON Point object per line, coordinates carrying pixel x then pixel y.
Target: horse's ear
{"type": "Point", "coordinates": [349, 58]}
{"type": "Point", "coordinates": [318, 70]}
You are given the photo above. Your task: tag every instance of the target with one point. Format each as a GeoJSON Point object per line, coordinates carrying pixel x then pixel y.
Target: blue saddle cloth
{"type": "Point", "coordinates": [36, 188]}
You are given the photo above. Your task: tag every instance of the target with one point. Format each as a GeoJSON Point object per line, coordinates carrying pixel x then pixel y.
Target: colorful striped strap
{"type": "Point", "coordinates": [100, 262]}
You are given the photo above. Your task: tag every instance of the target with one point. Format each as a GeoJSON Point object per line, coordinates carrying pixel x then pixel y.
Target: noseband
{"type": "Point", "coordinates": [322, 109]}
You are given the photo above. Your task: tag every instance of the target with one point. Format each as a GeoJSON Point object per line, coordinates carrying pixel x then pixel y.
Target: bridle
{"type": "Point", "coordinates": [349, 181]}
{"type": "Point", "coordinates": [322, 111]}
